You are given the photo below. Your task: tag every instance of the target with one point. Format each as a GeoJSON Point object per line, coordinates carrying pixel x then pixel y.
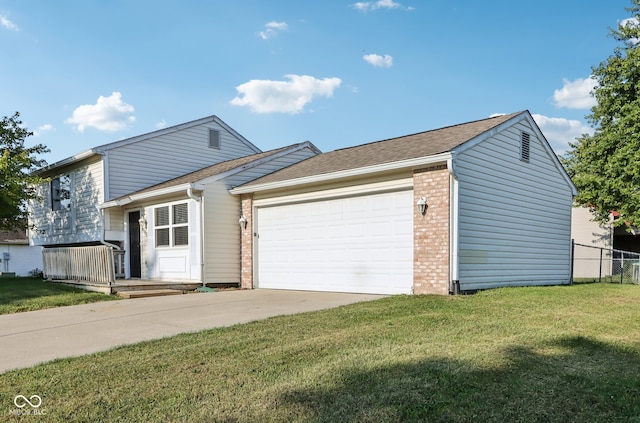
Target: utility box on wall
{"type": "Point", "coordinates": [6, 256]}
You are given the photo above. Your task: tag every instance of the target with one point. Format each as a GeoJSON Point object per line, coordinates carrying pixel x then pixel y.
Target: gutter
{"type": "Point", "coordinates": [68, 161]}
{"type": "Point", "coordinates": [409, 163]}
{"type": "Point", "coordinates": [123, 201]}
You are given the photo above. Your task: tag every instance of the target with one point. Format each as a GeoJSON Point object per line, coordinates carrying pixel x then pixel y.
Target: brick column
{"type": "Point", "coordinates": [431, 249]}
{"type": "Point", "coordinates": [246, 243]}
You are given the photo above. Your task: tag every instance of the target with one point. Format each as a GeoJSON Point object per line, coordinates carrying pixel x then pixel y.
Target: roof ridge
{"type": "Point", "coordinates": [429, 130]}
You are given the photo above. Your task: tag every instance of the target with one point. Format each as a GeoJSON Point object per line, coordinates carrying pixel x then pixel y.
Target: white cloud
{"type": "Point", "coordinates": [632, 23]}
{"type": "Point", "coordinates": [47, 127]}
{"type": "Point", "coordinates": [161, 124]}
{"type": "Point", "coordinates": [5, 22]}
{"type": "Point", "coordinates": [265, 96]}
{"type": "Point", "coordinates": [365, 6]}
{"type": "Point", "coordinates": [376, 60]}
{"type": "Point", "coordinates": [576, 94]}
{"type": "Point", "coordinates": [272, 29]}
{"type": "Point", "coordinates": [108, 114]}
{"type": "Point", "coordinates": [560, 132]}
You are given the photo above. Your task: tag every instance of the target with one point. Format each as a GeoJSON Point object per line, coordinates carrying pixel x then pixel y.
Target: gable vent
{"type": "Point", "coordinates": [524, 146]}
{"type": "Point", "coordinates": [214, 139]}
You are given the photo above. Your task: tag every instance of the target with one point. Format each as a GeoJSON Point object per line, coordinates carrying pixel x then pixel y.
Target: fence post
{"type": "Point", "coordinates": [573, 258]}
{"type": "Point", "coordinates": [621, 267]}
{"type": "Point", "coordinates": [600, 271]}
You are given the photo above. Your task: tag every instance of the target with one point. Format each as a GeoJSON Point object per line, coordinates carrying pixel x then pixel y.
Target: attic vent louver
{"type": "Point", "coordinates": [214, 139]}
{"type": "Point", "coordinates": [524, 146]}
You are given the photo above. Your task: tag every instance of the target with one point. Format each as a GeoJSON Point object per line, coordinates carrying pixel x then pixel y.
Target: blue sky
{"type": "Point", "coordinates": [337, 73]}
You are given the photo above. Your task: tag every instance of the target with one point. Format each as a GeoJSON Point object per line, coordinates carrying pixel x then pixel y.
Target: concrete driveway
{"type": "Point", "coordinates": [30, 338]}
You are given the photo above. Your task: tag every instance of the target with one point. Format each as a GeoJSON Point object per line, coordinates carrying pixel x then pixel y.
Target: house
{"type": "Point", "coordinates": [102, 197]}
{"type": "Point", "coordinates": [16, 256]}
{"type": "Point", "coordinates": [477, 205]}
{"type": "Point", "coordinates": [593, 245]}
{"type": "Point", "coordinates": [187, 228]}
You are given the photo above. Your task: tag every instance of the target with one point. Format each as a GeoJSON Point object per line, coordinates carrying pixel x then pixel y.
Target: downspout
{"type": "Point", "coordinates": [454, 287]}
{"type": "Point", "coordinates": [199, 199]}
{"type": "Point", "coordinates": [108, 244]}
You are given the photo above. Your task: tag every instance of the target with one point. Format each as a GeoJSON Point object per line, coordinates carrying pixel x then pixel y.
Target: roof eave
{"type": "Point", "coordinates": [150, 194]}
{"type": "Point", "coordinates": [360, 171]}
{"type": "Point", "coordinates": [69, 160]}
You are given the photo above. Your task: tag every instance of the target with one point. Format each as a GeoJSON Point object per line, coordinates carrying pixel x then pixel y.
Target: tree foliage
{"type": "Point", "coordinates": [17, 180]}
{"type": "Point", "coordinates": [605, 166]}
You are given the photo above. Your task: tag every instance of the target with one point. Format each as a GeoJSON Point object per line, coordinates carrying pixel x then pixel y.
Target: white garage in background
{"type": "Point", "coordinates": [496, 212]}
{"type": "Point", "coordinates": [360, 243]}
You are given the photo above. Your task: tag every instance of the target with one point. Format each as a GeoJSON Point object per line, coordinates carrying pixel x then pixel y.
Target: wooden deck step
{"type": "Point", "coordinates": [148, 293]}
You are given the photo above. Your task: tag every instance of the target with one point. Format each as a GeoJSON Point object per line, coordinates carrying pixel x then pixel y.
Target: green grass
{"type": "Point", "coordinates": [29, 294]}
{"type": "Point", "coordinates": [553, 354]}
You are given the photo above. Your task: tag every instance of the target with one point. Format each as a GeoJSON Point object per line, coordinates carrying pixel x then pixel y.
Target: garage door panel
{"type": "Point", "coordinates": [357, 244]}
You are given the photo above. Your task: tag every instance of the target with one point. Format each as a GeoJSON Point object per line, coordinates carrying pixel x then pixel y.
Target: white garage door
{"type": "Point", "coordinates": [358, 244]}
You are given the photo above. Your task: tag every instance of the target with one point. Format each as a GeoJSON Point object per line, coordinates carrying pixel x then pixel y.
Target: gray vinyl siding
{"type": "Point", "coordinates": [221, 235]}
{"type": "Point", "coordinates": [514, 216]}
{"type": "Point", "coordinates": [150, 161]}
{"type": "Point", "coordinates": [88, 194]}
{"type": "Point", "coordinates": [82, 221]}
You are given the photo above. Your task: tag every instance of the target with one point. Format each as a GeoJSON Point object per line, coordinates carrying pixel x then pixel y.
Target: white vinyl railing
{"type": "Point", "coordinates": [93, 264]}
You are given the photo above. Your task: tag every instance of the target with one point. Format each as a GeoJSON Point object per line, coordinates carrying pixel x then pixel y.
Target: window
{"type": "Point", "coordinates": [214, 139]}
{"type": "Point", "coordinates": [61, 193]}
{"type": "Point", "coordinates": [524, 146]}
{"type": "Point", "coordinates": [172, 225]}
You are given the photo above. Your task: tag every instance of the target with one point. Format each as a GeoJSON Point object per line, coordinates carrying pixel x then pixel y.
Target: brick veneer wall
{"type": "Point", "coordinates": [246, 242]}
{"type": "Point", "coordinates": [431, 252]}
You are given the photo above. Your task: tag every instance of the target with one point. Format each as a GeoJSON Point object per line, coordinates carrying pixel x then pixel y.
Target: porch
{"type": "Point", "coordinates": [101, 269]}
{"type": "Point", "coordinates": [130, 288]}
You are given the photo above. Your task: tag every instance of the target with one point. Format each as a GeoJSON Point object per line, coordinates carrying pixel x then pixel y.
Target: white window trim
{"type": "Point", "coordinates": [170, 226]}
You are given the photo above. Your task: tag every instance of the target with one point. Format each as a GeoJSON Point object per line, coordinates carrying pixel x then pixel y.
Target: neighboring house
{"type": "Point", "coordinates": [16, 256]}
{"type": "Point", "coordinates": [603, 235]}
{"type": "Point", "coordinates": [95, 197]}
{"type": "Point", "coordinates": [478, 205]}
{"type": "Point", "coordinates": [585, 231]}
{"type": "Point", "coordinates": [594, 242]}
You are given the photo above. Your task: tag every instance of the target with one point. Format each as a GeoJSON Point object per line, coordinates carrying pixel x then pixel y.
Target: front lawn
{"type": "Point", "coordinates": [29, 294]}
{"type": "Point", "coordinates": [554, 354]}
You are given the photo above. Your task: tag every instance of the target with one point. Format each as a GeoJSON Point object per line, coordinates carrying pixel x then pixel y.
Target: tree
{"type": "Point", "coordinates": [605, 167]}
{"type": "Point", "coordinates": [17, 178]}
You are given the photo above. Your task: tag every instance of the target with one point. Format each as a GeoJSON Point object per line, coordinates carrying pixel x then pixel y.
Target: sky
{"type": "Point", "coordinates": [337, 73]}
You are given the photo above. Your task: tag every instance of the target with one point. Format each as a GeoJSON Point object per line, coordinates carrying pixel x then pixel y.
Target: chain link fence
{"type": "Point", "coordinates": [595, 264]}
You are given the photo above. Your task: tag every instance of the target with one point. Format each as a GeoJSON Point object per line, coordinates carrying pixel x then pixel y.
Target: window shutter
{"type": "Point", "coordinates": [55, 194]}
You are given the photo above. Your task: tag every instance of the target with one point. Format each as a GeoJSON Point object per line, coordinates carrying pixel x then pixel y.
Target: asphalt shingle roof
{"type": "Point", "coordinates": [422, 144]}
